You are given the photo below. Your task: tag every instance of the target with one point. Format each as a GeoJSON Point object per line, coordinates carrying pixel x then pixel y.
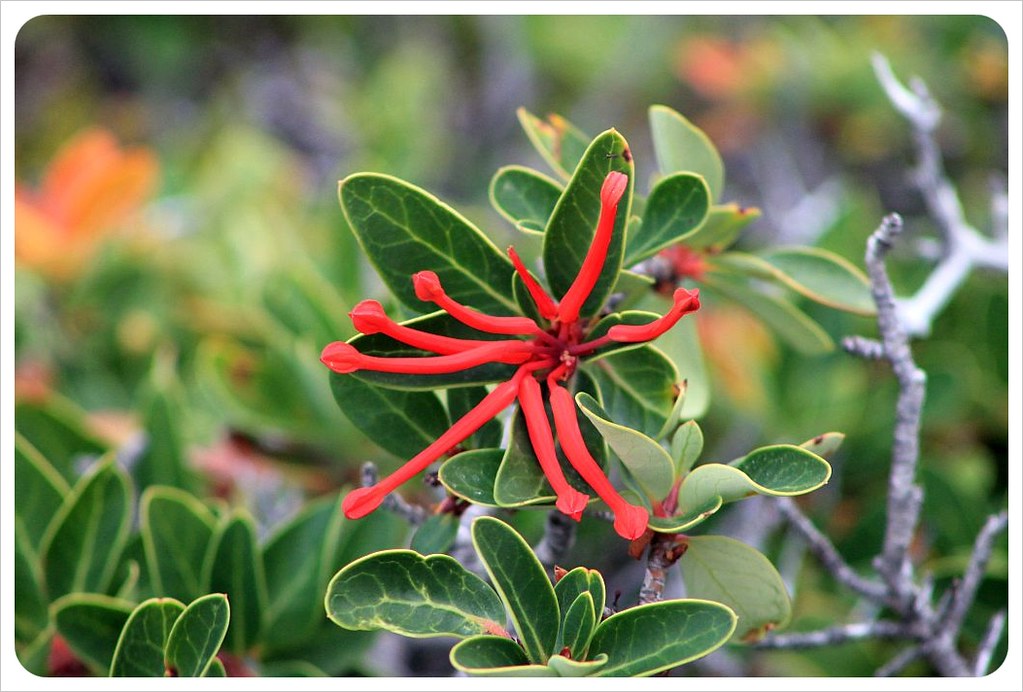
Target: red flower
{"type": "Point", "coordinates": [551, 352]}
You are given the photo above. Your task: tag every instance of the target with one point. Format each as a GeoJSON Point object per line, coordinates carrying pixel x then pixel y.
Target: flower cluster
{"type": "Point", "coordinates": [547, 354]}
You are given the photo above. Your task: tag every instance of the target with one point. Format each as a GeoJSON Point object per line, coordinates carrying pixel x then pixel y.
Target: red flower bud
{"type": "Point", "coordinates": [685, 303]}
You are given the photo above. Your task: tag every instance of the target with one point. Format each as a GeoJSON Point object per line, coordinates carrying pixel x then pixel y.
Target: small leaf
{"type": "Point", "coordinates": [647, 462]}
{"type": "Point", "coordinates": [140, 648]}
{"type": "Point", "coordinates": [657, 636]}
{"type": "Point", "coordinates": [58, 430]}
{"type": "Point", "coordinates": [402, 591]}
{"type": "Point", "coordinates": [637, 387]}
{"type": "Point", "coordinates": [216, 669]}
{"type": "Point", "coordinates": [681, 146]}
{"type": "Point", "coordinates": [234, 566]}
{"type": "Point", "coordinates": [163, 461]}
{"type": "Point", "coordinates": [196, 636]}
{"type": "Point", "coordinates": [691, 517]}
{"type": "Point", "coordinates": [404, 229]}
{"type": "Point", "coordinates": [568, 668]}
{"type": "Point", "coordinates": [91, 624]}
{"type": "Point", "coordinates": [573, 222]}
{"type": "Point", "coordinates": [436, 534]}
{"type": "Point", "coordinates": [577, 625]}
{"type": "Point", "coordinates": [825, 444]}
{"type": "Point", "coordinates": [722, 226]}
{"type": "Point", "coordinates": [487, 655]}
{"type": "Point", "coordinates": [728, 571]}
{"type": "Point", "coordinates": [39, 490]}
{"type": "Point", "coordinates": [471, 475]}
{"type": "Point", "coordinates": [176, 530]}
{"type": "Point", "coordinates": [686, 447]}
{"type": "Point", "coordinates": [521, 581]}
{"type": "Point", "coordinates": [31, 616]}
{"type": "Point", "coordinates": [402, 422]}
{"type": "Point", "coordinates": [677, 206]}
{"type": "Point", "coordinates": [461, 400]}
{"type": "Point", "coordinates": [83, 544]}
{"type": "Point", "coordinates": [559, 142]}
{"type": "Point", "coordinates": [577, 581]}
{"type": "Point", "coordinates": [524, 197]}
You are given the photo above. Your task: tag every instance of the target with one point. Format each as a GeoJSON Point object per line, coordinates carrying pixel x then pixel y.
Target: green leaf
{"type": "Point", "coordinates": [297, 567]}
{"type": "Point", "coordinates": [216, 669]}
{"type": "Point", "coordinates": [461, 400]}
{"type": "Point", "coordinates": [568, 668]}
{"type": "Point", "coordinates": [524, 197]}
{"type": "Point", "coordinates": [58, 430]}
{"type": "Point", "coordinates": [572, 225]}
{"type": "Point", "coordinates": [577, 581]}
{"type": "Point", "coordinates": [31, 615]}
{"type": "Point", "coordinates": [404, 229]}
{"type": "Point", "coordinates": [39, 490]}
{"type": "Point", "coordinates": [82, 546]}
{"type": "Point", "coordinates": [402, 422]}
{"type": "Point", "coordinates": [164, 459]}
{"type": "Point", "coordinates": [630, 287]}
{"type": "Point", "coordinates": [521, 581]}
{"type": "Point", "coordinates": [638, 387]}
{"type": "Point", "coordinates": [821, 276]}
{"type": "Point", "coordinates": [436, 534]}
{"type": "Point", "coordinates": [140, 648]}
{"type": "Point", "coordinates": [560, 143]}
{"type": "Point", "coordinates": [577, 626]}
{"type": "Point", "coordinates": [722, 226]}
{"type": "Point", "coordinates": [305, 304]}
{"type": "Point", "coordinates": [197, 635]}
{"type": "Point", "coordinates": [727, 571]}
{"type": "Point", "coordinates": [234, 566]}
{"type": "Point", "coordinates": [647, 462]}
{"type": "Point", "coordinates": [825, 444]}
{"type": "Point", "coordinates": [176, 531]}
{"type": "Point", "coordinates": [657, 636]}
{"type": "Point", "coordinates": [91, 624]}
{"type": "Point", "coordinates": [681, 146]}
{"type": "Point", "coordinates": [686, 447]}
{"type": "Point", "coordinates": [435, 323]}
{"type": "Point", "coordinates": [790, 323]}
{"type": "Point", "coordinates": [487, 655]}
{"type": "Point", "coordinates": [689, 518]}
{"type": "Point", "coordinates": [471, 475]}
{"type": "Point", "coordinates": [330, 651]}
{"type": "Point", "coordinates": [781, 470]}
{"type": "Point", "coordinates": [677, 206]}
{"type": "Point", "coordinates": [402, 591]}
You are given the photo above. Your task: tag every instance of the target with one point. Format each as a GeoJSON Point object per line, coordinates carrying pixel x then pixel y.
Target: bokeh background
{"type": "Point", "coordinates": [178, 235]}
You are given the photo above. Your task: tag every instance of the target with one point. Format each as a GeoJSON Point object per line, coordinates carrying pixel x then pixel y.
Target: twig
{"type": "Point", "coordinates": [664, 552]}
{"type": "Point", "coordinates": [413, 514]}
{"type": "Point", "coordinates": [825, 551]}
{"type": "Point", "coordinates": [992, 635]}
{"type": "Point", "coordinates": [558, 537]}
{"type": "Point", "coordinates": [966, 591]}
{"type": "Point", "coordinates": [880, 629]}
{"type": "Point", "coordinates": [900, 661]}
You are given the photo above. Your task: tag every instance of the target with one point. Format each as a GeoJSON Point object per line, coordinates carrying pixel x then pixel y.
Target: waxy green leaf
{"type": "Point", "coordinates": [234, 566]}
{"type": "Point", "coordinates": [58, 430]}
{"type": "Point", "coordinates": [82, 546]}
{"type": "Point", "coordinates": [31, 614]}
{"type": "Point", "coordinates": [577, 626]}
{"type": "Point", "coordinates": [196, 636]}
{"type": "Point", "coordinates": [436, 534]}
{"type": "Point", "coordinates": [681, 146]}
{"type": "Point", "coordinates": [722, 226]}
{"type": "Point", "coordinates": [638, 387]}
{"type": "Point", "coordinates": [727, 571]}
{"type": "Point", "coordinates": [525, 197]}
{"type": "Point", "coordinates": [559, 142]}
{"type": "Point", "coordinates": [521, 581]}
{"type": "Point", "coordinates": [163, 461]}
{"type": "Point", "coordinates": [688, 519]}
{"type": "Point", "coordinates": [140, 648]}
{"type": "Point", "coordinates": [487, 655]}
{"type": "Point", "coordinates": [461, 400]}
{"type": "Point", "coordinates": [90, 623]}
{"type": "Point", "coordinates": [686, 447]}
{"type": "Point", "coordinates": [39, 490]}
{"type": "Point", "coordinates": [216, 669]}
{"type": "Point", "coordinates": [573, 222]}
{"type": "Point", "coordinates": [404, 230]}
{"type": "Point", "coordinates": [176, 530]}
{"type": "Point", "coordinates": [568, 668]}
{"type": "Point", "coordinates": [577, 581]}
{"type": "Point", "coordinates": [400, 421]}
{"type": "Point", "coordinates": [657, 636]}
{"type": "Point", "coordinates": [677, 206]}
{"type": "Point", "coordinates": [825, 444]}
{"type": "Point", "coordinates": [471, 475]}
{"type": "Point", "coordinates": [647, 462]}
{"type": "Point", "coordinates": [404, 592]}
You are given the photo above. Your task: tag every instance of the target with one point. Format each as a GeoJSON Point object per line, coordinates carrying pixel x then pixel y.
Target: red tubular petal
{"type": "Point", "coordinates": [570, 501]}
{"type": "Point", "coordinates": [685, 303]}
{"type": "Point", "coordinates": [610, 194]}
{"type": "Point", "coordinates": [630, 520]}
{"type": "Point", "coordinates": [544, 303]}
{"type": "Point", "coordinates": [343, 358]}
{"type": "Point", "coordinates": [362, 501]}
{"type": "Point", "coordinates": [428, 288]}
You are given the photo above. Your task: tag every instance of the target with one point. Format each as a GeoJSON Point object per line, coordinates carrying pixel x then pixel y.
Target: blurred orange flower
{"type": "Point", "coordinates": [92, 187]}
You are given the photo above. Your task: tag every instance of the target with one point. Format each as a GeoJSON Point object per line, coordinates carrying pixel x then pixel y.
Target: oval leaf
{"type": "Point", "coordinates": [577, 626]}
{"type": "Point", "coordinates": [471, 475]}
{"type": "Point", "coordinates": [488, 655]}
{"type": "Point", "coordinates": [525, 197]}
{"type": "Point", "coordinates": [234, 566]}
{"type": "Point", "coordinates": [176, 530]}
{"type": "Point", "coordinates": [638, 387]}
{"type": "Point", "coordinates": [573, 222]}
{"type": "Point", "coordinates": [523, 584]}
{"type": "Point", "coordinates": [140, 648]}
{"type": "Point", "coordinates": [91, 624]}
{"type": "Point", "coordinates": [825, 444]}
{"type": "Point", "coordinates": [722, 226]}
{"type": "Point", "coordinates": [404, 229]}
{"type": "Point", "coordinates": [677, 206]}
{"type": "Point", "coordinates": [823, 276]}
{"type": "Point", "coordinates": [569, 668]}
{"type": "Point", "coordinates": [436, 534]}
{"type": "Point", "coordinates": [681, 146]}
{"type": "Point", "coordinates": [39, 490]}
{"type": "Point", "coordinates": [647, 462]}
{"type": "Point", "coordinates": [460, 401]}
{"type": "Point", "coordinates": [404, 592]}
{"type": "Point", "coordinates": [728, 571]}
{"type": "Point", "coordinates": [688, 519]}
{"type": "Point", "coordinates": [558, 141]}
{"type": "Point", "coordinates": [577, 581]}
{"type": "Point", "coordinates": [686, 447]}
{"type": "Point", "coordinates": [31, 614]}
{"type": "Point", "coordinates": [59, 431]}
{"type": "Point", "coordinates": [657, 636]}
{"type": "Point", "coordinates": [196, 636]}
